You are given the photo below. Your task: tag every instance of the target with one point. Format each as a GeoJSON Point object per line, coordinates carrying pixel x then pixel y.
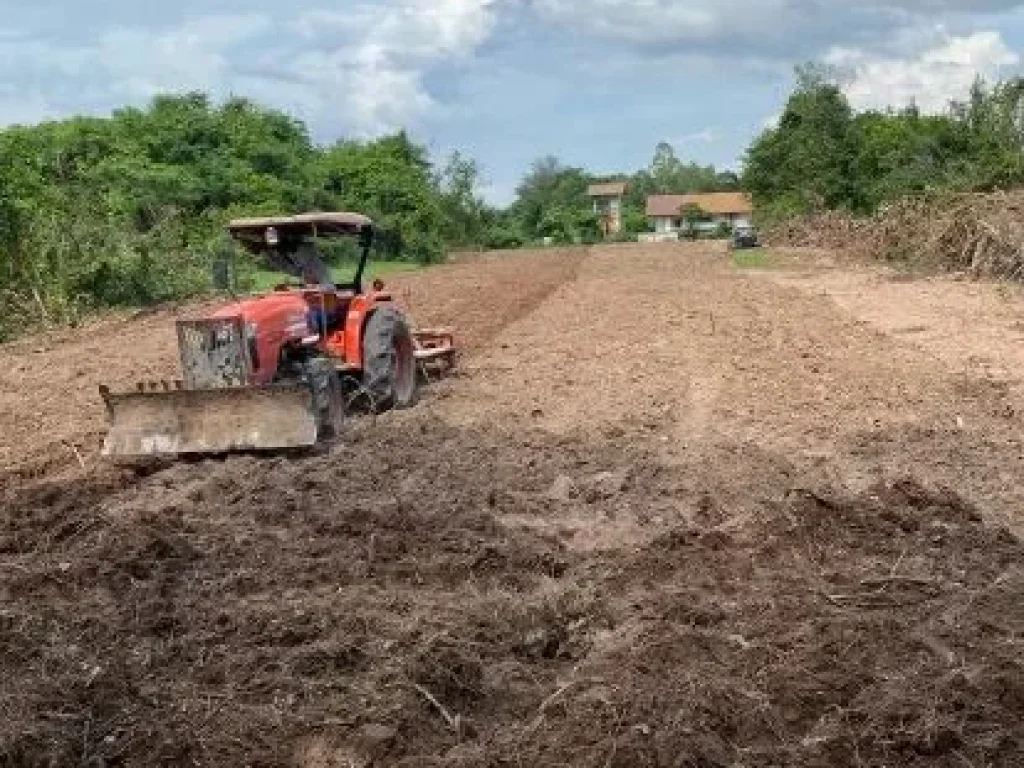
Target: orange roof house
{"type": "Point", "coordinates": [734, 209]}
{"type": "Point", "coordinates": [713, 203]}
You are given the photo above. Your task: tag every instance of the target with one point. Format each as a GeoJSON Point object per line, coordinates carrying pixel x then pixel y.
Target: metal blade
{"type": "Point", "coordinates": [210, 420]}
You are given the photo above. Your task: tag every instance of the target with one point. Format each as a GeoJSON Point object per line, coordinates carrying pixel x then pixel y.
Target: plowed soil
{"type": "Point", "coordinates": [667, 513]}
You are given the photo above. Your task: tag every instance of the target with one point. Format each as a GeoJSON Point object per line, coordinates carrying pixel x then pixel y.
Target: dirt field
{"type": "Point", "coordinates": [667, 513]}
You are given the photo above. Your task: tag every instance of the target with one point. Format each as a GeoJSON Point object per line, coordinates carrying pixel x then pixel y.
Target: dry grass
{"type": "Point", "coordinates": [979, 234]}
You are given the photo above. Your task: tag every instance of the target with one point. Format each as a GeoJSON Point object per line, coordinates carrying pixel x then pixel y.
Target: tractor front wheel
{"type": "Point", "coordinates": [389, 360]}
{"type": "Point", "coordinates": [328, 397]}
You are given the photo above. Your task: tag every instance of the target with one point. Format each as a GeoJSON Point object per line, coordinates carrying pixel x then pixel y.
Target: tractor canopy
{"type": "Point", "coordinates": [275, 232]}
{"type": "Point", "coordinates": [288, 242]}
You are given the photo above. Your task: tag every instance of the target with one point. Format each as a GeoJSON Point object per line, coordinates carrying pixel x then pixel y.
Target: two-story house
{"type": "Point", "coordinates": [608, 205]}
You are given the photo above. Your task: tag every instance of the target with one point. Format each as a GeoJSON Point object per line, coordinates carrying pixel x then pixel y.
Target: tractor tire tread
{"type": "Point", "coordinates": [380, 359]}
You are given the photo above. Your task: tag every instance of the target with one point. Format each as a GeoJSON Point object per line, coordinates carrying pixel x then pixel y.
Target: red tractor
{"type": "Point", "coordinates": [280, 370]}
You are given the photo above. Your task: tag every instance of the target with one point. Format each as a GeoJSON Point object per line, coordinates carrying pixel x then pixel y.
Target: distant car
{"type": "Point", "coordinates": [744, 237]}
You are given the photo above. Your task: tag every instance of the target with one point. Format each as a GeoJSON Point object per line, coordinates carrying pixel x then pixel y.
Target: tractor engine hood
{"type": "Point", "coordinates": [271, 322]}
{"type": "Point", "coordinates": [283, 312]}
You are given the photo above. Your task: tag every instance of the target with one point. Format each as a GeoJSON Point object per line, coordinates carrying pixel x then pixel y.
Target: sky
{"type": "Point", "coordinates": [597, 83]}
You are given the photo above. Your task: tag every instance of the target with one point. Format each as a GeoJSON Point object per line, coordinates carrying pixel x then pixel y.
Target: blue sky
{"type": "Point", "coordinates": [595, 82]}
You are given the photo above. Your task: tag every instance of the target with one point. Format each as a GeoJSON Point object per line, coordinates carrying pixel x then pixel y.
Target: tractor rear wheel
{"type": "Point", "coordinates": [389, 360]}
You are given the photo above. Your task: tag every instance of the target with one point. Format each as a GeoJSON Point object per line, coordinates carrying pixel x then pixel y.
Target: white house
{"type": "Point", "coordinates": [667, 212]}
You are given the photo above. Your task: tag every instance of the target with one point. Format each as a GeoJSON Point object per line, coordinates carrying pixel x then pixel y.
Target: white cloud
{"type": "Point", "coordinates": [364, 70]}
{"type": "Point", "coordinates": [768, 33]}
{"type": "Point", "coordinates": [668, 21]}
{"type": "Point", "coordinates": [13, 34]}
{"type": "Point", "coordinates": [706, 136]}
{"type": "Point", "coordinates": [941, 72]}
{"type": "Point", "coordinates": [367, 66]}
{"type": "Point", "coordinates": [123, 65]}
{"type": "Point", "coordinates": [19, 108]}
{"type": "Point", "coordinates": [498, 194]}
{"type": "Point", "coordinates": [193, 56]}
{"type": "Point", "coordinates": [380, 73]}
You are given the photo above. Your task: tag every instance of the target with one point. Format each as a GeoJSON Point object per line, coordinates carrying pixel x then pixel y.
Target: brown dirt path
{"type": "Point", "coordinates": [675, 338]}
{"type": "Point", "coordinates": [974, 327]}
{"type": "Point", "coordinates": [668, 513]}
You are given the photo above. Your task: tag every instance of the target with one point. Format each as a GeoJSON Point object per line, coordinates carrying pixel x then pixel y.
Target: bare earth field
{"type": "Point", "coordinates": [668, 513]}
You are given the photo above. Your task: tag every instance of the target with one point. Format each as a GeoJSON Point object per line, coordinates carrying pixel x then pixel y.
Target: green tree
{"type": "Point", "coordinates": [665, 169]}
{"type": "Point", "coordinates": [693, 216]}
{"type": "Point", "coordinates": [899, 154]}
{"type": "Point", "coordinates": [635, 221]}
{"type": "Point", "coordinates": [807, 161]}
{"type": "Point", "coordinates": [668, 175]}
{"type": "Point", "coordinates": [390, 180]}
{"type": "Point", "coordinates": [550, 199]}
{"type": "Point", "coordinates": [129, 209]}
{"type": "Point", "coordinates": [991, 125]}
{"type": "Point", "coordinates": [821, 155]}
{"type": "Point", "coordinates": [462, 208]}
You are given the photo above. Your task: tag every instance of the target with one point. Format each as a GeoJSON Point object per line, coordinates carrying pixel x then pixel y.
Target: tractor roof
{"type": "Point", "coordinates": [253, 231]}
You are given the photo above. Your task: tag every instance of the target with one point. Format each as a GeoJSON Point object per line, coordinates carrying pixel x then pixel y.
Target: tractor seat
{"type": "Point", "coordinates": [318, 319]}
{"type": "Point", "coordinates": [330, 316]}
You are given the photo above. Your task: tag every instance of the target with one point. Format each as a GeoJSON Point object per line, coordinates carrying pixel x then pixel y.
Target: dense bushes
{"type": "Point", "coordinates": [129, 210]}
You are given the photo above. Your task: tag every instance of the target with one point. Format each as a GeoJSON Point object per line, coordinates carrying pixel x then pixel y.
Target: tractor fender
{"type": "Point", "coordinates": [360, 311]}
{"type": "Point", "coordinates": [272, 349]}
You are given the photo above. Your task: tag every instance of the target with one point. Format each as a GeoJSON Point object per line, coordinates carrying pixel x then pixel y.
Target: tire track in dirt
{"type": "Point", "coordinates": [592, 353]}
{"type": "Point", "coordinates": [946, 401]}
{"type": "Point", "coordinates": [300, 612]}
{"type": "Point", "coordinates": [673, 338]}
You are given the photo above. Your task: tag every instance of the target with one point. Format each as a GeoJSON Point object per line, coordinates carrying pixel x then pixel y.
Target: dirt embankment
{"type": "Point", "coordinates": [668, 514]}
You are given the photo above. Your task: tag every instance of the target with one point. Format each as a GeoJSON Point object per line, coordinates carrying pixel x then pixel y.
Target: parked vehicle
{"type": "Point", "coordinates": [744, 237]}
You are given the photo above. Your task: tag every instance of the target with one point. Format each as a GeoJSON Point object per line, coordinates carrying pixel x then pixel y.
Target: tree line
{"type": "Point", "coordinates": [129, 209]}
{"type": "Point", "coordinates": [822, 155]}
{"type": "Point", "coordinates": [552, 201]}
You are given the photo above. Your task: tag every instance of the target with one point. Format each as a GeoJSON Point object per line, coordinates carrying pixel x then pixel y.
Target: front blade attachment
{"type": "Point", "coordinates": [184, 421]}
